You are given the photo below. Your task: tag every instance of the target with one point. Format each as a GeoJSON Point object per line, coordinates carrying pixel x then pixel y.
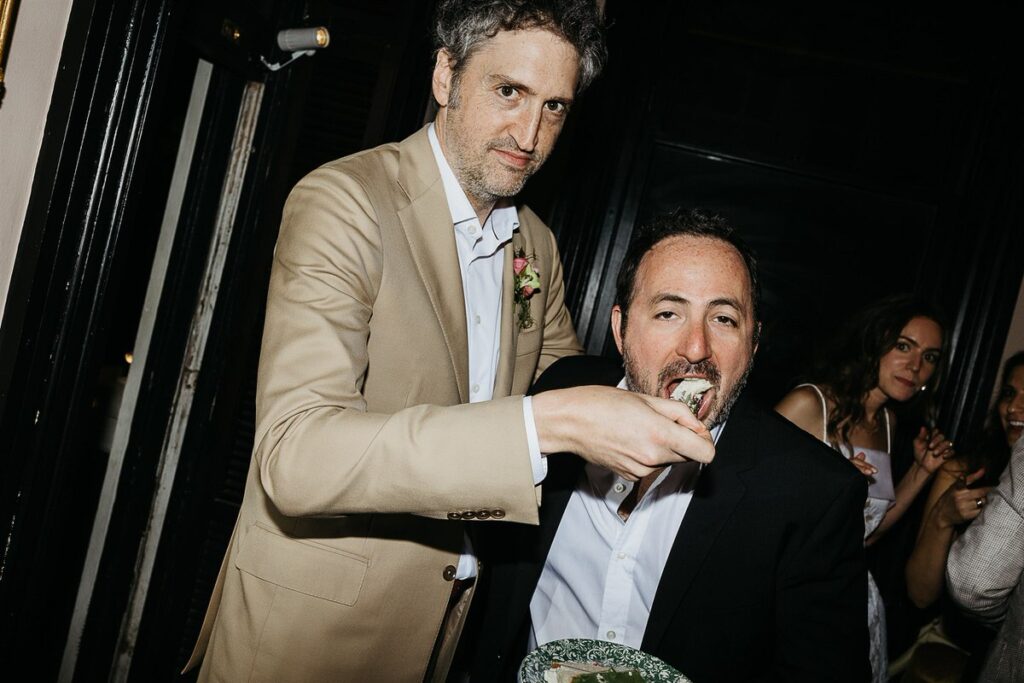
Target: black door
{"type": "Point", "coordinates": [369, 86]}
{"type": "Point", "coordinates": [860, 151]}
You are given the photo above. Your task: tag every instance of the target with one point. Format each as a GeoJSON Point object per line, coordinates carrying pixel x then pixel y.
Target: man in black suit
{"type": "Point", "coordinates": [749, 568]}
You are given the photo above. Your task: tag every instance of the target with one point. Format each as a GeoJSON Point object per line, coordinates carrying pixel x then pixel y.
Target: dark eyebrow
{"type": "Point", "coordinates": [502, 79]}
{"type": "Point", "coordinates": [915, 343]}
{"type": "Point", "coordinates": [729, 301]}
{"type": "Point", "coordinates": [672, 298]}
{"type": "Point", "coordinates": [676, 299]}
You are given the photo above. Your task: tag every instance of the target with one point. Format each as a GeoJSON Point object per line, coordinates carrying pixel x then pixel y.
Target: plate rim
{"type": "Point", "coordinates": [597, 642]}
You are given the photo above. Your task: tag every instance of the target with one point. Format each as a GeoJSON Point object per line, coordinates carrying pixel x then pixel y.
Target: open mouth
{"type": "Point", "coordinates": [695, 391]}
{"type": "Point", "coordinates": [1013, 431]}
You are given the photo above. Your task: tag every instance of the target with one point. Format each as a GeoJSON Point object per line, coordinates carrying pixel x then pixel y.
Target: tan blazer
{"type": "Point", "coordinates": [367, 455]}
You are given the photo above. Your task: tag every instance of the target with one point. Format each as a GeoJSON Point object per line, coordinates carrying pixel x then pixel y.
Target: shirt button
{"type": "Point", "coordinates": [611, 635]}
{"type": "Point", "coordinates": [476, 319]}
{"type": "Point", "coordinates": [619, 487]}
{"type": "Point", "coordinates": [472, 230]}
{"type": "Point", "coordinates": [621, 556]}
{"type": "Point", "coordinates": [476, 388]}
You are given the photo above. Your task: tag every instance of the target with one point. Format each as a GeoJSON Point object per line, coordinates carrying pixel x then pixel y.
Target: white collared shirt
{"type": "Point", "coordinates": [481, 264]}
{"type": "Point", "coordinates": [602, 573]}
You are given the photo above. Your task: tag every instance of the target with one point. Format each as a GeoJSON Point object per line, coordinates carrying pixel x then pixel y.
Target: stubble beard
{"type": "Point", "coordinates": [479, 179]}
{"type": "Point", "coordinates": [639, 381]}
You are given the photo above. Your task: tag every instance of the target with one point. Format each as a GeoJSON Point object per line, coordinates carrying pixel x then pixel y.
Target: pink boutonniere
{"type": "Point", "coordinates": [527, 283]}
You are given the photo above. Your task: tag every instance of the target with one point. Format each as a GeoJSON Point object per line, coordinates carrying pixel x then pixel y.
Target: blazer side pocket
{"type": "Point", "coordinates": [302, 566]}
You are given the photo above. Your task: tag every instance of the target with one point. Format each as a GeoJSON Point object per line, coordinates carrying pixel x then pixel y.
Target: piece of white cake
{"type": "Point", "coordinates": [564, 672]}
{"type": "Point", "coordinates": [585, 672]}
{"type": "Point", "coordinates": [690, 391]}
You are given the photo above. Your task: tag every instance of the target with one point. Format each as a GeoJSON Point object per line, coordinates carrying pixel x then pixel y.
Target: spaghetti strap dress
{"type": "Point", "coordinates": [880, 498]}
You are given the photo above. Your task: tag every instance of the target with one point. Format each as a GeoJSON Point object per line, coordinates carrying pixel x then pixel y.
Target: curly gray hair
{"type": "Point", "coordinates": [462, 26]}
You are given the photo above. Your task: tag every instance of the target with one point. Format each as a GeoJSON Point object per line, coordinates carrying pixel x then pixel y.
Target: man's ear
{"type": "Point", "coordinates": [617, 326]}
{"type": "Point", "coordinates": [441, 83]}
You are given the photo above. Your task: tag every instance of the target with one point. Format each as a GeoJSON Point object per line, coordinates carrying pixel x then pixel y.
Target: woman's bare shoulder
{"type": "Point", "coordinates": [802, 407]}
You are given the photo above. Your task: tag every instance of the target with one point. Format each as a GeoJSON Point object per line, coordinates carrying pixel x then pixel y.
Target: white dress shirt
{"type": "Point", "coordinates": [481, 264]}
{"type": "Point", "coordinates": [602, 572]}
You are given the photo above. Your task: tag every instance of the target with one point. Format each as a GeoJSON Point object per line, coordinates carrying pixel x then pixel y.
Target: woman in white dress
{"type": "Point", "coordinates": [891, 353]}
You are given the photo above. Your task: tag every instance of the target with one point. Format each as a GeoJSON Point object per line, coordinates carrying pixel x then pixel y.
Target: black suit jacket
{"type": "Point", "coordinates": [766, 579]}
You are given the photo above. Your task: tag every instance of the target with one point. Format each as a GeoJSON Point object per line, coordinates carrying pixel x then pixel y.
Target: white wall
{"type": "Point", "coordinates": [34, 53]}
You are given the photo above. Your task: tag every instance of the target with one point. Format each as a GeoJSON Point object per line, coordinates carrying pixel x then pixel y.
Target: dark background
{"type": "Point", "coordinates": [860, 150]}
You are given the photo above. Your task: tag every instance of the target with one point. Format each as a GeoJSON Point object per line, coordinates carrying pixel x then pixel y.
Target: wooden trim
{"type": "Point", "coordinates": [6, 24]}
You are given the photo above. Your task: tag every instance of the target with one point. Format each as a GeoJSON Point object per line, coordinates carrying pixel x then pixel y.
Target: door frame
{"type": "Point", "coordinates": [83, 196]}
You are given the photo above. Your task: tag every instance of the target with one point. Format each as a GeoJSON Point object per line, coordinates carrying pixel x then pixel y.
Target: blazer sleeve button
{"type": "Point", "coordinates": [454, 515]}
{"type": "Point", "coordinates": [469, 514]}
{"type": "Point", "coordinates": [449, 573]}
{"type": "Point", "coordinates": [483, 514]}
{"type": "Point", "coordinates": [498, 514]}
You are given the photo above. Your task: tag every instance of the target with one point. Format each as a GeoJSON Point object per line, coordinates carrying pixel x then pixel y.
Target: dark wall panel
{"type": "Point", "coordinates": [818, 243]}
{"type": "Point", "coordinates": [864, 151]}
{"type": "Point", "coordinates": [820, 113]}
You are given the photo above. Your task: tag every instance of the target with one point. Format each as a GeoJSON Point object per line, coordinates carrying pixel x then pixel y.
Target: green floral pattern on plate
{"type": "Point", "coordinates": [585, 650]}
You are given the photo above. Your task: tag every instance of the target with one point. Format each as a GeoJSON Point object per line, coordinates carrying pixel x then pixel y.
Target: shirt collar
{"type": "Point", "coordinates": [502, 221]}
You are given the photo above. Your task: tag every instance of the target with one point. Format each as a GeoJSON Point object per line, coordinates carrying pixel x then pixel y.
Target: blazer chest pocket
{"type": "Point", "coordinates": [302, 566]}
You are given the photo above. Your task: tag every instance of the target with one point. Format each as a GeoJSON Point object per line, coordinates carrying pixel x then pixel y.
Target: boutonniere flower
{"type": "Point", "coordinates": [527, 283]}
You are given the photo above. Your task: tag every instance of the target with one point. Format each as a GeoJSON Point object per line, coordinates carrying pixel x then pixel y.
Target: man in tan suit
{"type": "Point", "coordinates": [411, 305]}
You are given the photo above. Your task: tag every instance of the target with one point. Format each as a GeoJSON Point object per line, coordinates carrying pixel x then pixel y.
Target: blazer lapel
{"type": "Point", "coordinates": [509, 332]}
{"type": "Point", "coordinates": [564, 471]}
{"type": "Point", "coordinates": [719, 489]}
{"type": "Point", "coordinates": [427, 223]}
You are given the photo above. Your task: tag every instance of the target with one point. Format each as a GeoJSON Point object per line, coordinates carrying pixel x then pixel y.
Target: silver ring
{"type": "Point", "coordinates": [980, 502]}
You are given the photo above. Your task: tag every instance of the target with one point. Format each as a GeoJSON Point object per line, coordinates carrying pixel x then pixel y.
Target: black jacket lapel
{"type": "Point", "coordinates": [564, 470]}
{"type": "Point", "coordinates": [719, 489]}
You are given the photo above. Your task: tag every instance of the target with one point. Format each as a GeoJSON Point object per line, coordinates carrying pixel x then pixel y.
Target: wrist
{"type": "Point", "coordinates": [552, 417]}
{"type": "Point", "coordinates": [918, 472]}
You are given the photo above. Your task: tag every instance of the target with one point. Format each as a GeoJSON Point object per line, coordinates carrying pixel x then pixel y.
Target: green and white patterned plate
{"type": "Point", "coordinates": [601, 651]}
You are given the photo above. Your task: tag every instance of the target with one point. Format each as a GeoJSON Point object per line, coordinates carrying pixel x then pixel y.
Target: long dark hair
{"type": "Point", "coordinates": [992, 451]}
{"type": "Point", "coordinates": [850, 369]}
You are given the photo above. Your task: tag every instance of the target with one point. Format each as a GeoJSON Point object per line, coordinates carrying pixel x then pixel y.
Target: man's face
{"type": "Point", "coordinates": [691, 316]}
{"type": "Point", "coordinates": [500, 123]}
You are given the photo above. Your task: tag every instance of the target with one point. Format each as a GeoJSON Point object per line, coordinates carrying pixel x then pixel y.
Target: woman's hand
{"type": "Point", "coordinates": [860, 462]}
{"type": "Point", "coordinates": [932, 449]}
{"type": "Point", "coordinates": [959, 503]}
